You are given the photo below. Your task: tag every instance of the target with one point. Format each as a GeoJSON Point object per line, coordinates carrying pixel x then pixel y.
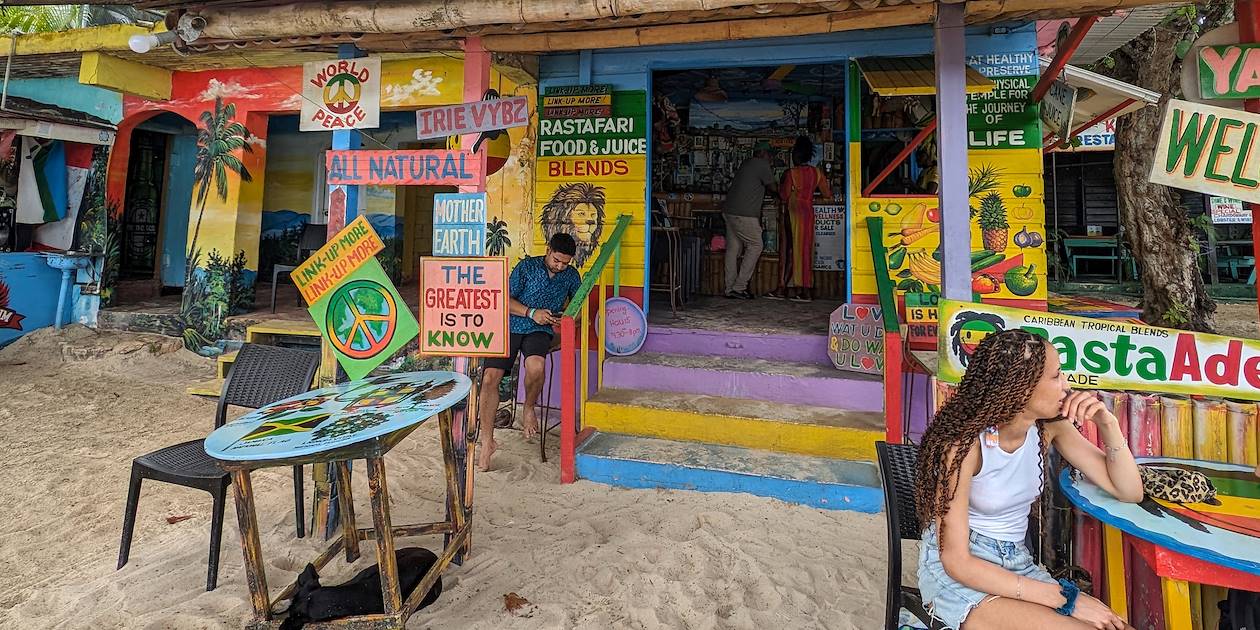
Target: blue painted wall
{"type": "Point", "coordinates": [179, 190]}
{"type": "Point", "coordinates": [69, 93]}
{"type": "Point", "coordinates": [631, 68]}
{"type": "Point", "coordinates": [32, 293]}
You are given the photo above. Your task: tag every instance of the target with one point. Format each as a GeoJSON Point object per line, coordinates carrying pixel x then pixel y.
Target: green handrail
{"type": "Point", "coordinates": [887, 292]}
{"type": "Point", "coordinates": [606, 251]}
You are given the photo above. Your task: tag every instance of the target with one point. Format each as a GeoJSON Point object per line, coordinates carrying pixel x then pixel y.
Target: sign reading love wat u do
{"type": "Point", "coordinates": [341, 94]}
{"type": "Point", "coordinates": [356, 307]}
{"type": "Point", "coordinates": [1210, 150]}
{"type": "Point", "coordinates": [1102, 354]}
{"type": "Point", "coordinates": [855, 338]}
{"type": "Point", "coordinates": [464, 307]}
{"type": "Point", "coordinates": [1229, 72]}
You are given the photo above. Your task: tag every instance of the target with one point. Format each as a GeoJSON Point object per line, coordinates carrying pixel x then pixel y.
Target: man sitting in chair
{"type": "Point", "coordinates": [540, 287]}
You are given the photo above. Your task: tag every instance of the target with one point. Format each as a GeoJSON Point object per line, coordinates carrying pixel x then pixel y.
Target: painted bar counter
{"type": "Point", "coordinates": [1188, 546]}
{"type": "Point", "coordinates": [362, 419]}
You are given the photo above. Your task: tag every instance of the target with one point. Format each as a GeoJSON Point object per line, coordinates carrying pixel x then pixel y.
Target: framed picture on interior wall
{"type": "Point", "coordinates": [700, 143]}
{"type": "Point", "coordinates": [829, 151]}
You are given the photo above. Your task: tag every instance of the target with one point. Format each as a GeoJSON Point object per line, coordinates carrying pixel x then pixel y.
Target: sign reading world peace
{"type": "Point", "coordinates": [356, 307]}
{"type": "Point", "coordinates": [341, 94]}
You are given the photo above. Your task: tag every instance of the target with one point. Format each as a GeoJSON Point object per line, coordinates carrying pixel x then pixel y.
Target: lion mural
{"type": "Point", "coordinates": [576, 209]}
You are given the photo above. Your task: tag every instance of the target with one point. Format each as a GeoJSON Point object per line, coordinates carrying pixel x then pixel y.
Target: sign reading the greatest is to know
{"type": "Point", "coordinates": [356, 307]}
{"type": "Point", "coordinates": [341, 94]}
{"type": "Point", "coordinates": [1210, 150]}
{"type": "Point", "coordinates": [474, 117]}
{"type": "Point", "coordinates": [459, 224]}
{"type": "Point", "coordinates": [402, 168]}
{"type": "Point", "coordinates": [464, 306]}
{"type": "Point", "coordinates": [1103, 354]}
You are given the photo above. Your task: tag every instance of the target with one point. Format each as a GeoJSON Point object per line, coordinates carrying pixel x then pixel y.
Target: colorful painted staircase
{"type": "Point", "coordinates": [737, 412]}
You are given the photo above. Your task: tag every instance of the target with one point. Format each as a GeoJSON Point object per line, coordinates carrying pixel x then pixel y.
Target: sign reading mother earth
{"type": "Point", "coordinates": [1210, 150]}
{"type": "Point", "coordinates": [855, 338]}
{"type": "Point", "coordinates": [356, 307]}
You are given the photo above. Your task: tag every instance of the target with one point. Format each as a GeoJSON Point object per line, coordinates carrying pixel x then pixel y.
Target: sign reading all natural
{"type": "Point", "coordinates": [1210, 150]}
{"type": "Point", "coordinates": [1102, 354]}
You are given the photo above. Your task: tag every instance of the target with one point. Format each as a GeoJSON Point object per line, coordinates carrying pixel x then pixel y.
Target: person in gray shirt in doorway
{"type": "Point", "coordinates": [742, 213]}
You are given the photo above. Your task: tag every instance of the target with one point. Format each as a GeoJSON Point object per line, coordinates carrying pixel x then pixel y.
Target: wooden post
{"type": "Point", "coordinates": [1117, 591]}
{"type": "Point", "coordinates": [568, 399]}
{"type": "Point", "coordinates": [1247, 14]}
{"type": "Point", "coordinates": [951, 134]}
{"type": "Point", "coordinates": [255, 573]}
{"type": "Point", "coordinates": [345, 500]}
{"type": "Point", "coordinates": [385, 557]}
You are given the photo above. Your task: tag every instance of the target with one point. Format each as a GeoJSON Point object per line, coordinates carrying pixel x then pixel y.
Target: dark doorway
{"type": "Point", "coordinates": [146, 175]}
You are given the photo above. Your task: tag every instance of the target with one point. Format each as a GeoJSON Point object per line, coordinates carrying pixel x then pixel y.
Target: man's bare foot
{"type": "Point", "coordinates": [529, 424]}
{"type": "Point", "coordinates": [485, 450]}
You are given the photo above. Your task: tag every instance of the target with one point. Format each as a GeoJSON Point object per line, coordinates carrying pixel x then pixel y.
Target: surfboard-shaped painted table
{"type": "Point", "coordinates": [361, 419]}
{"type": "Point", "coordinates": [1184, 544]}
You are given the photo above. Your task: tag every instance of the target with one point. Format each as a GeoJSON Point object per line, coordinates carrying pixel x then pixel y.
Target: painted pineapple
{"type": "Point", "coordinates": [993, 226]}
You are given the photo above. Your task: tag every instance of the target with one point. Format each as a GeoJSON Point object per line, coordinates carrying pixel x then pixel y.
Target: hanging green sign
{"type": "Point", "coordinates": [356, 307]}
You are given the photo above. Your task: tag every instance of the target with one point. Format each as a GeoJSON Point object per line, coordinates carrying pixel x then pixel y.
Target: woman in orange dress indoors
{"type": "Point", "coordinates": [796, 234]}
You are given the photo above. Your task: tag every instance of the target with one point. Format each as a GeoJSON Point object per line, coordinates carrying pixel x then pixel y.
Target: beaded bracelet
{"type": "Point", "coordinates": [1069, 590]}
{"type": "Point", "coordinates": [530, 313]}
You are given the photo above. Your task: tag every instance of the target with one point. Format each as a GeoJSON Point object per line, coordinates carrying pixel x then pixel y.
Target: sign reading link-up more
{"type": "Point", "coordinates": [1210, 150]}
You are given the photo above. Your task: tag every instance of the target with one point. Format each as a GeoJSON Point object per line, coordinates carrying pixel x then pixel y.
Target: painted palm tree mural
{"type": "Point", "coordinates": [497, 240]}
{"type": "Point", "coordinates": [216, 289]}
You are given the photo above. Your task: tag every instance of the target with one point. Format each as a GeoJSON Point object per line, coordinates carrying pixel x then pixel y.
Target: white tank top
{"type": "Point", "coordinates": [1003, 492]}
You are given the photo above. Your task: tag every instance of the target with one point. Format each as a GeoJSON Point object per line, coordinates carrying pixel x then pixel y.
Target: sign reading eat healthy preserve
{"type": "Point", "coordinates": [459, 224]}
{"type": "Point", "coordinates": [474, 117]}
{"type": "Point", "coordinates": [1102, 354]}
{"type": "Point", "coordinates": [464, 306]}
{"type": "Point", "coordinates": [1210, 150]}
{"type": "Point", "coordinates": [423, 167]}
{"type": "Point", "coordinates": [341, 94]}
{"type": "Point", "coordinates": [1229, 72]}
{"type": "Point", "coordinates": [353, 302]}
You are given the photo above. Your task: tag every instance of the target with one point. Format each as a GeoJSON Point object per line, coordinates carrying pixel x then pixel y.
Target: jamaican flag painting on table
{"type": "Point", "coordinates": [357, 308]}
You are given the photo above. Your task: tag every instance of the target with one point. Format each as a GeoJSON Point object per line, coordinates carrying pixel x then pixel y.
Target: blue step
{"type": "Point", "coordinates": [638, 462]}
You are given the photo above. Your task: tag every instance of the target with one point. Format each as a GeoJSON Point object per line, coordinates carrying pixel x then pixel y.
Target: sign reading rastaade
{"type": "Point", "coordinates": [424, 167]}
{"type": "Point", "coordinates": [464, 306]}
{"type": "Point", "coordinates": [1102, 354]}
{"type": "Point", "coordinates": [1229, 72]}
{"type": "Point", "coordinates": [1210, 150]}
{"type": "Point", "coordinates": [474, 117]}
{"type": "Point", "coordinates": [353, 302]}
{"type": "Point", "coordinates": [855, 338]}
{"type": "Point", "coordinates": [341, 94]}
{"type": "Point", "coordinates": [459, 224]}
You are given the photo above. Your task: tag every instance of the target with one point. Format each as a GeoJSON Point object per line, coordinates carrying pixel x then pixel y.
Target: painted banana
{"type": "Point", "coordinates": [925, 268]}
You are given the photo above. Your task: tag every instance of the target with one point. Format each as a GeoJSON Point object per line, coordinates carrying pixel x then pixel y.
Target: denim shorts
{"type": "Point", "coordinates": [951, 602]}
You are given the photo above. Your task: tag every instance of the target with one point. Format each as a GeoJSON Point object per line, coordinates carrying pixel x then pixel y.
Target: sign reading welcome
{"type": "Point", "coordinates": [1102, 354]}
{"type": "Point", "coordinates": [1210, 150]}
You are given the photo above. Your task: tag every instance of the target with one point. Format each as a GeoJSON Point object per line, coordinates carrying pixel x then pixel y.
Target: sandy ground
{"type": "Point", "coordinates": [76, 407]}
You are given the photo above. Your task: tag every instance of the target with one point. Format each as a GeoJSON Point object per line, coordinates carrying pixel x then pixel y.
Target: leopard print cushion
{"type": "Point", "coordinates": [1176, 485]}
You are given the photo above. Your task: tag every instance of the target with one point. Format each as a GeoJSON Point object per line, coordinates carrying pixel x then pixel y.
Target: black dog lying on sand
{"type": "Point", "coordinates": [362, 594]}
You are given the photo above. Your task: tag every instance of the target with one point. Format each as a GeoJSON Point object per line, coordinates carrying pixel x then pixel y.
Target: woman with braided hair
{"type": "Point", "coordinates": [980, 471]}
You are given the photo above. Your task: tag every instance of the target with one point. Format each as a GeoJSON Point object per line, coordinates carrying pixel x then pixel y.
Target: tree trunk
{"type": "Point", "coordinates": [1156, 227]}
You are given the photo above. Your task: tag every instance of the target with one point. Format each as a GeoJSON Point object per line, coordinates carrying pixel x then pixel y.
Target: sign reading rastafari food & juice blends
{"type": "Point", "coordinates": [1210, 150]}
{"type": "Point", "coordinates": [1102, 354]}
{"type": "Point", "coordinates": [356, 307]}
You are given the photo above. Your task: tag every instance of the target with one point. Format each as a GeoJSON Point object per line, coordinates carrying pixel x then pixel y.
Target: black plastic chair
{"type": "Point", "coordinates": [897, 468]}
{"type": "Point", "coordinates": [313, 237]}
{"type": "Point", "coordinates": [260, 376]}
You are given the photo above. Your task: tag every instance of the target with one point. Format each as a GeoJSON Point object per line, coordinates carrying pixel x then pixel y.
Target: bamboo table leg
{"type": "Point", "coordinates": [454, 491]}
{"type": "Point", "coordinates": [1117, 592]}
{"type": "Point", "coordinates": [247, 519]}
{"type": "Point", "coordinates": [1177, 614]}
{"type": "Point", "coordinates": [345, 501]}
{"type": "Point", "coordinates": [385, 557]}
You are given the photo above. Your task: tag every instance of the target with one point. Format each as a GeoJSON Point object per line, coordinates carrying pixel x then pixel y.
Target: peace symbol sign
{"type": "Point", "coordinates": [361, 319]}
{"type": "Point", "coordinates": [346, 96]}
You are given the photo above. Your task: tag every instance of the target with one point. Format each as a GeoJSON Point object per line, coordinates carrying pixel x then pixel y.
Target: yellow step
{"type": "Point", "coordinates": [224, 363]}
{"type": "Point", "coordinates": [210, 388]}
{"type": "Point", "coordinates": [784, 428]}
{"type": "Point", "coordinates": [281, 327]}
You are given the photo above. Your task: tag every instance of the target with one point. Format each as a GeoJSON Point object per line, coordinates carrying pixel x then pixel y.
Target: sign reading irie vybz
{"type": "Point", "coordinates": [1101, 354]}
